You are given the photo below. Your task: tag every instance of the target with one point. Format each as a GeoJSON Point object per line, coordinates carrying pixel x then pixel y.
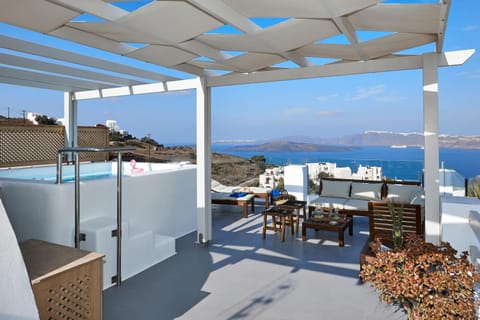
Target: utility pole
{"type": "Point", "coordinates": [148, 146]}
{"type": "Point", "coordinates": [8, 113]}
{"type": "Point", "coordinates": [24, 112]}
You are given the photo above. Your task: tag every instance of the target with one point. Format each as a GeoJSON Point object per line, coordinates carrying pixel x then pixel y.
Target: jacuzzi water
{"type": "Point", "coordinates": [158, 206]}
{"type": "Point", "coordinates": [48, 173]}
{"type": "Point", "coordinates": [88, 171]}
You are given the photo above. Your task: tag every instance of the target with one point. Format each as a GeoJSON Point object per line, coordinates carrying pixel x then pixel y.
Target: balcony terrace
{"type": "Point", "coordinates": [241, 276]}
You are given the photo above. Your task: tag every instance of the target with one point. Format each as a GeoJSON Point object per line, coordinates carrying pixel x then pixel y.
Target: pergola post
{"type": "Point", "coordinates": [71, 120]}
{"type": "Point", "coordinates": [431, 151]}
{"type": "Point", "coordinates": [204, 162]}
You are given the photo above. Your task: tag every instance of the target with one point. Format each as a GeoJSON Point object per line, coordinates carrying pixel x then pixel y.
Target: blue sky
{"type": "Point", "coordinates": [327, 107]}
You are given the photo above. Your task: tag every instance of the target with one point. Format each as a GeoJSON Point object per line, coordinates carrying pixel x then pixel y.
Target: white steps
{"type": "Point", "coordinates": [141, 248]}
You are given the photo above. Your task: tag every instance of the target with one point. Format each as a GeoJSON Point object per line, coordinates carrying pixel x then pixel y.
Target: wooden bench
{"type": "Point", "coordinates": [224, 198]}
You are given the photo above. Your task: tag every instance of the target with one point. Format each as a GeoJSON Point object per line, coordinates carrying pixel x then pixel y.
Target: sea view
{"type": "Point", "coordinates": [400, 163]}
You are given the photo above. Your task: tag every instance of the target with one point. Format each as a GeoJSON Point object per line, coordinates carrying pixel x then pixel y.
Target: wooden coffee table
{"type": "Point", "coordinates": [338, 224]}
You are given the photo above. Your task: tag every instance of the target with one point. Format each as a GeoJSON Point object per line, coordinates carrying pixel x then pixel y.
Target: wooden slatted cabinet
{"type": "Point", "coordinates": [66, 282]}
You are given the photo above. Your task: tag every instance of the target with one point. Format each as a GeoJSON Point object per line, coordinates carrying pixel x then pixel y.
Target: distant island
{"type": "Point", "coordinates": [289, 146]}
{"type": "Point", "coordinates": [367, 138]}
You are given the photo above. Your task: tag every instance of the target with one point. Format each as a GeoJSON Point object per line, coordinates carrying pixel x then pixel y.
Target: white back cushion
{"type": "Point", "coordinates": [337, 189]}
{"type": "Point", "coordinates": [402, 193]}
{"type": "Point", "coordinates": [366, 191]}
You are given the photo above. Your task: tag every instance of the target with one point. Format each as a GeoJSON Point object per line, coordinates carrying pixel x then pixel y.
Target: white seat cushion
{"type": "Point", "coordinates": [325, 202]}
{"type": "Point", "coordinates": [356, 204]}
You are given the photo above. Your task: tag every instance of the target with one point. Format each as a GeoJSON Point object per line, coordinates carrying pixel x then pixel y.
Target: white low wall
{"type": "Point", "coordinates": [164, 202]}
{"type": "Point", "coordinates": [456, 228]}
{"type": "Point", "coordinates": [156, 205]}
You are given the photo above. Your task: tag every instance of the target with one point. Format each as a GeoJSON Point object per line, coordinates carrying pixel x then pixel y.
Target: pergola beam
{"type": "Point", "coordinates": [67, 56]}
{"type": "Point", "coordinates": [97, 8]}
{"type": "Point", "coordinates": [137, 89]}
{"type": "Point", "coordinates": [394, 63]}
{"type": "Point", "coordinates": [63, 70]}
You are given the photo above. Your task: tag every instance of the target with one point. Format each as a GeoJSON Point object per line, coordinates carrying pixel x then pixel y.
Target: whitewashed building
{"type": "Point", "coordinates": [270, 178]}
{"type": "Point", "coordinates": [368, 173]}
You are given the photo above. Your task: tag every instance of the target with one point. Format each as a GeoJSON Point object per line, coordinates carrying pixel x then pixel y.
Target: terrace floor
{"type": "Point", "coordinates": [241, 276]}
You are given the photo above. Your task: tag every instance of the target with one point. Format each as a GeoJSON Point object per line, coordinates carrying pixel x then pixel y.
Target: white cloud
{"type": "Point", "coordinates": [326, 113]}
{"type": "Point", "coordinates": [299, 110]}
{"type": "Point", "coordinates": [470, 28]}
{"type": "Point", "coordinates": [388, 98]}
{"type": "Point", "coordinates": [326, 98]}
{"type": "Point", "coordinates": [365, 93]}
{"type": "Point", "coordinates": [469, 74]}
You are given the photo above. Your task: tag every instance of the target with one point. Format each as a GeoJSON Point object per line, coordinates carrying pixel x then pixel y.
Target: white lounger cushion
{"type": "Point", "coordinates": [260, 190]}
{"type": "Point", "coordinates": [338, 189]}
{"type": "Point", "coordinates": [226, 196]}
{"type": "Point", "coordinates": [366, 191]}
{"type": "Point", "coordinates": [218, 187]}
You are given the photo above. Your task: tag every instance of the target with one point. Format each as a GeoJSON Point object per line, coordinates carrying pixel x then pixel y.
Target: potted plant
{"type": "Point", "coordinates": [397, 223]}
{"type": "Point", "coordinates": [428, 281]}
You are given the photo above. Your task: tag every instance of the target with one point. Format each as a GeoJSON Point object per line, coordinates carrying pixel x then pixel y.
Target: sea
{"type": "Point", "coordinates": [399, 163]}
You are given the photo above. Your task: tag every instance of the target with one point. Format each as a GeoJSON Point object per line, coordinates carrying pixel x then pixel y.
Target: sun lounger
{"type": "Point", "coordinates": [227, 198]}
{"type": "Point", "coordinates": [264, 193]}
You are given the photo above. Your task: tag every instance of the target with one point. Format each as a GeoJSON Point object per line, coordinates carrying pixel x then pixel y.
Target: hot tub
{"type": "Point", "coordinates": [158, 205]}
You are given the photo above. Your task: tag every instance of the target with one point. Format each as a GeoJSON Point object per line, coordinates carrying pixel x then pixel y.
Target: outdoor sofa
{"type": "Point", "coordinates": [354, 196]}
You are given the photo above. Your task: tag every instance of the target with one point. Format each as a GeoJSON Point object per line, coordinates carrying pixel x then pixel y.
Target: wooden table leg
{"type": "Point", "coordinates": [341, 240]}
{"type": "Point", "coordinates": [350, 227]}
{"type": "Point", "coordinates": [298, 221]}
{"type": "Point", "coordinates": [264, 231]}
{"type": "Point", "coordinates": [282, 219]}
{"type": "Point", "coordinates": [292, 226]}
{"type": "Point", "coordinates": [304, 232]}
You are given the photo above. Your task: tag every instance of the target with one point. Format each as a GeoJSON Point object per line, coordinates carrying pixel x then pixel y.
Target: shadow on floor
{"type": "Point", "coordinates": [239, 275]}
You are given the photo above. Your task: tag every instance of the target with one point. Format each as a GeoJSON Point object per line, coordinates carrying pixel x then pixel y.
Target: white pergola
{"type": "Point", "coordinates": [225, 42]}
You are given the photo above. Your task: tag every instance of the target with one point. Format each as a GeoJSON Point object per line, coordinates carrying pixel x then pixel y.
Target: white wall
{"type": "Point", "coordinates": [163, 202]}
{"type": "Point", "coordinates": [296, 181]}
{"type": "Point", "coordinates": [455, 212]}
{"type": "Point", "coordinates": [16, 296]}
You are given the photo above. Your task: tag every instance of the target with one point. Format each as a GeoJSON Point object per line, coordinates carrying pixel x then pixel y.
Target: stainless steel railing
{"type": "Point", "coordinates": [118, 232]}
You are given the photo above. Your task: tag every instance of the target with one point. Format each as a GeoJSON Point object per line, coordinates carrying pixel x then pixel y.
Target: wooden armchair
{"type": "Point", "coordinates": [381, 225]}
{"type": "Point", "coordinates": [381, 219]}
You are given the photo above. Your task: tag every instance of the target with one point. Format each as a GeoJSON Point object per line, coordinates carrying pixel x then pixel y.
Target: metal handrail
{"type": "Point", "coordinates": [118, 233]}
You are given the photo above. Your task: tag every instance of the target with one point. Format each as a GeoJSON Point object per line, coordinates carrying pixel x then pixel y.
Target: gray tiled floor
{"type": "Point", "coordinates": [241, 276]}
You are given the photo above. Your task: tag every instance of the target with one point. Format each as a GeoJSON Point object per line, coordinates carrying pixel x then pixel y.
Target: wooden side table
{"type": "Point", "coordinates": [300, 207]}
{"type": "Point", "coordinates": [66, 282]}
{"type": "Point", "coordinates": [282, 216]}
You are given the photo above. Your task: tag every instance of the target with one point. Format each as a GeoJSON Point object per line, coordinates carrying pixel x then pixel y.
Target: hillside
{"type": "Point", "coordinates": [227, 169]}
